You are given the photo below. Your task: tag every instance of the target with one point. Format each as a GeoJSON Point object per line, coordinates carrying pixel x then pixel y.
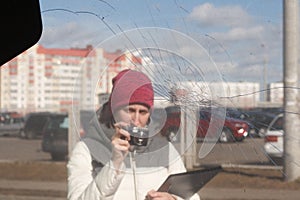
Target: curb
{"type": "Point", "coordinates": [271, 167]}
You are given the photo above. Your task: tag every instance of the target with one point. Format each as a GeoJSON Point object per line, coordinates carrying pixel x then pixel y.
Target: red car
{"type": "Point", "coordinates": [212, 126]}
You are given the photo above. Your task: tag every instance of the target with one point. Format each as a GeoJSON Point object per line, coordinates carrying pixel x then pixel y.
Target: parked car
{"type": "Point", "coordinates": [34, 124]}
{"type": "Point", "coordinates": [241, 115]}
{"type": "Point", "coordinates": [231, 129]}
{"type": "Point", "coordinates": [55, 133]}
{"type": "Point", "coordinates": [11, 124]}
{"type": "Point", "coordinates": [260, 121]}
{"type": "Point", "coordinates": [55, 136]}
{"type": "Point", "coordinates": [274, 139]}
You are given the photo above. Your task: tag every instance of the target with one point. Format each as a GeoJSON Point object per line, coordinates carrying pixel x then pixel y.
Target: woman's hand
{"type": "Point", "coordinates": [154, 195]}
{"type": "Point", "coordinates": [120, 144]}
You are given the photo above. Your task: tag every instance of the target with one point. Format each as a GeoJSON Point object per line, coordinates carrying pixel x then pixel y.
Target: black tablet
{"type": "Point", "coordinates": [187, 184]}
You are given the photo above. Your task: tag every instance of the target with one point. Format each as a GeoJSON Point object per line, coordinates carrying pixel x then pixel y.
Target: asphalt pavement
{"type": "Point", "coordinates": [247, 152]}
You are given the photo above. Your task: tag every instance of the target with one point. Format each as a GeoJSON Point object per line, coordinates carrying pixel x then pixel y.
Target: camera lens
{"type": "Point", "coordinates": [139, 136]}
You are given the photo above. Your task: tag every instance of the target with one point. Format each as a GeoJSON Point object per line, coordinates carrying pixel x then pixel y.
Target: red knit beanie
{"type": "Point", "coordinates": [131, 87]}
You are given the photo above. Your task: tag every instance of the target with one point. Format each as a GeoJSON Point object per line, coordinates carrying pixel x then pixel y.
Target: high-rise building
{"type": "Point", "coordinates": [228, 94]}
{"type": "Point", "coordinates": [276, 92]}
{"type": "Point", "coordinates": [54, 79]}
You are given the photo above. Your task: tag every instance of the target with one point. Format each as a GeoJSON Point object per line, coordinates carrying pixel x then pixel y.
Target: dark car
{"type": "Point", "coordinates": [55, 136]}
{"type": "Point", "coordinates": [56, 133]}
{"type": "Point", "coordinates": [260, 121]}
{"type": "Point", "coordinates": [11, 123]}
{"type": "Point", "coordinates": [34, 124]}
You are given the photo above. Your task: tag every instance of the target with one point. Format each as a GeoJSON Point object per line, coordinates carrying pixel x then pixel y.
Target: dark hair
{"type": "Point", "coordinates": [105, 115]}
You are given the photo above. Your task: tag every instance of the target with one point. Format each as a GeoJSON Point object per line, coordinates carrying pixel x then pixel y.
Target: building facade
{"type": "Point", "coordinates": [227, 94]}
{"type": "Point", "coordinates": [276, 93]}
{"type": "Point", "coordinates": [52, 79]}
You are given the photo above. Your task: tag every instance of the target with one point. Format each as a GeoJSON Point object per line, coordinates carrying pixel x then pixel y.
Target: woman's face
{"type": "Point", "coordinates": [135, 114]}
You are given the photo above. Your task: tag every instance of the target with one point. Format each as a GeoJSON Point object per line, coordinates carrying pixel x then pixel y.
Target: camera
{"type": "Point", "coordinates": [138, 135]}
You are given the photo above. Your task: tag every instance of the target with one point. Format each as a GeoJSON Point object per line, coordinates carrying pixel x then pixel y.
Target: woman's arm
{"type": "Point", "coordinates": [81, 182]}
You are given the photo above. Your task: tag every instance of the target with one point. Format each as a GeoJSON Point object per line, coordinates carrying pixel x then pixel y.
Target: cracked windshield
{"type": "Point", "coordinates": [154, 100]}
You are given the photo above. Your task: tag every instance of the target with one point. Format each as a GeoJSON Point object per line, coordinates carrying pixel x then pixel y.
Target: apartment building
{"type": "Point", "coordinates": [53, 79]}
{"type": "Point", "coordinates": [228, 94]}
{"type": "Point", "coordinates": [276, 93]}
{"type": "Point", "coordinates": [242, 94]}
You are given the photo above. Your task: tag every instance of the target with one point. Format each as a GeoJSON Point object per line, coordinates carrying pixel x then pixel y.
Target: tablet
{"type": "Point", "coordinates": [187, 184]}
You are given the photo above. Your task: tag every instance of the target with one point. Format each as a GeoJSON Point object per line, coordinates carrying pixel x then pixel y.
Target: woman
{"type": "Point", "coordinates": [107, 164]}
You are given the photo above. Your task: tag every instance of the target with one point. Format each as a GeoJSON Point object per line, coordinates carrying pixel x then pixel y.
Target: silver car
{"type": "Point", "coordinates": [274, 138]}
{"type": "Point", "coordinates": [11, 124]}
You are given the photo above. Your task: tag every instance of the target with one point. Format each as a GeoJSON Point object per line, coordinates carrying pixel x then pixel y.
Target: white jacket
{"type": "Point", "coordinates": [109, 184]}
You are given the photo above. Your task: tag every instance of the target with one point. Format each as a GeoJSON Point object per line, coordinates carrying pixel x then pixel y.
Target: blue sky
{"type": "Point", "coordinates": [249, 32]}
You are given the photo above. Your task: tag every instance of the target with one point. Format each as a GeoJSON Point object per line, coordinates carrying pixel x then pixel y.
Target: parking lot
{"type": "Point", "coordinates": [250, 151]}
{"type": "Point", "coordinates": [14, 148]}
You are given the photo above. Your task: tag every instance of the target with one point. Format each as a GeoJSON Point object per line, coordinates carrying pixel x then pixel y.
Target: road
{"type": "Point", "coordinates": [16, 149]}
{"type": "Point", "coordinates": [250, 151]}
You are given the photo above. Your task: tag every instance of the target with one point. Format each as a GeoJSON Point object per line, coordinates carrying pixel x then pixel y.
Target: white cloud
{"type": "Point", "coordinates": [72, 30]}
{"type": "Point", "coordinates": [240, 33]}
{"type": "Point", "coordinates": [248, 42]}
{"type": "Point", "coordinates": [209, 15]}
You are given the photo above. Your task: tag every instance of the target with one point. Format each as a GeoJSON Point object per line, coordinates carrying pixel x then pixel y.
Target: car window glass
{"type": "Point", "coordinates": [278, 124]}
{"type": "Point", "coordinates": [7, 121]}
{"type": "Point", "coordinates": [17, 120]}
{"type": "Point", "coordinates": [202, 115]}
{"type": "Point", "coordinates": [65, 123]}
{"type": "Point", "coordinates": [53, 124]}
